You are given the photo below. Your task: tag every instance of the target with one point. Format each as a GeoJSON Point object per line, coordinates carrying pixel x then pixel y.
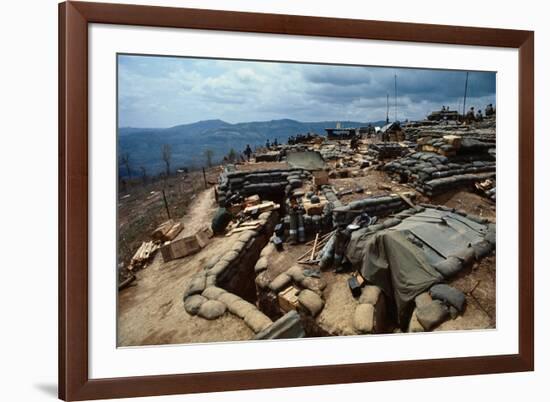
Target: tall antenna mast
{"type": "Point", "coordinates": [465, 92]}
{"type": "Point", "coordinates": [395, 81]}
{"type": "Point", "coordinates": [387, 108]}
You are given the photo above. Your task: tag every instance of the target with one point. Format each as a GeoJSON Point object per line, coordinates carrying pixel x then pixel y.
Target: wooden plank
{"type": "Point", "coordinates": [242, 229]}
{"type": "Point", "coordinates": [173, 232]}
{"type": "Point", "coordinates": [314, 246]}
{"type": "Point", "coordinates": [255, 222]}
{"type": "Point", "coordinates": [406, 199]}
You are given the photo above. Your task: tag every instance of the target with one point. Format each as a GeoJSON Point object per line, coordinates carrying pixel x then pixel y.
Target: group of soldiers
{"type": "Point", "coordinates": [473, 116]}
{"type": "Point", "coordinates": [299, 138]}
{"type": "Point", "coordinates": [248, 151]}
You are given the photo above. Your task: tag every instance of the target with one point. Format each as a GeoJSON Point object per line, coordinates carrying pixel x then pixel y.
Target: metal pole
{"type": "Point", "coordinates": [465, 92]}
{"type": "Point", "coordinates": [166, 204]}
{"type": "Point", "coordinates": [387, 108]}
{"type": "Point", "coordinates": [395, 81]}
{"type": "Point", "coordinates": [204, 177]}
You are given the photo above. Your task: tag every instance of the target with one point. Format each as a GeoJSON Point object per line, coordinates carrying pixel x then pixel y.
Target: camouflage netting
{"type": "Point", "coordinates": [426, 247]}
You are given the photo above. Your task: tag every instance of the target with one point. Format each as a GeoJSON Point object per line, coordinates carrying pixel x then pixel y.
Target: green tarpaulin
{"type": "Point", "coordinates": [400, 260]}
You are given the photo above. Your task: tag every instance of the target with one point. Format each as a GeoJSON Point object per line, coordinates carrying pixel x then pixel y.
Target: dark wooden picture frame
{"type": "Point", "coordinates": [74, 381]}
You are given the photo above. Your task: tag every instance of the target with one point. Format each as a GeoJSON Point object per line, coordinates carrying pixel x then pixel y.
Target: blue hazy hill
{"type": "Point", "coordinates": [189, 141]}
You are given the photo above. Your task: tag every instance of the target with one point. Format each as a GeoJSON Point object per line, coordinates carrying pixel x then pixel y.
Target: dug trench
{"type": "Point", "coordinates": [239, 278]}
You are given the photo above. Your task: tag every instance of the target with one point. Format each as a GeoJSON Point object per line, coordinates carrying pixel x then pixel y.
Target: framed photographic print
{"type": "Point", "coordinates": [259, 200]}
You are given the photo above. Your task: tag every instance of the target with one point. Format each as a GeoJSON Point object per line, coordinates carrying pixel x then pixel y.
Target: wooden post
{"type": "Point", "coordinates": [204, 177]}
{"type": "Point", "coordinates": [166, 204]}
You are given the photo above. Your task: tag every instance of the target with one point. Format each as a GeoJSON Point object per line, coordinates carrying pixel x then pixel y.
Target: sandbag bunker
{"type": "Point", "coordinates": [411, 259]}
{"type": "Point", "coordinates": [387, 276]}
{"type": "Point", "coordinates": [431, 173]}
{"type": "Point", "coordinates": [264, 183]}
{"type": "Point", "coordinates": [305, 264]}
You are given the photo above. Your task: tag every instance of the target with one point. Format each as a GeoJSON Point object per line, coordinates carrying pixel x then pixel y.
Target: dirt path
{"type": "Point", "coordinates": [152, 313]}
{"type": "Point", "coordinates": [200, 213]}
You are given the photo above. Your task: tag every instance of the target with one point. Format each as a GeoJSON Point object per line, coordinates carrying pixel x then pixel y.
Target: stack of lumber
{"type": "Point", "coordinates": [259, 208]}
{"type": "Point", "coordinates": [252, 200]}
{"type": "Point", "coordinates": [317, 245]}
{"type": "Point", "coordinates": [143, 254]}
{"type": "Point", "coordinates": [167, 231]}
{"type": "Point", "coordinates": [242, 226]}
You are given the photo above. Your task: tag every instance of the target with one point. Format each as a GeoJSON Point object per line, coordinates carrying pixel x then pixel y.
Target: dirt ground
{"type": "Point", "coordinates": [151, 312]}
{"type": "Point", "coordinates": [337, 315]}
{"type": "Point", "coordinates": [473, 204]}
{"type": "Point", "coordinates": [373, 182]}
{"type": "Point", "coordinates": [478, 283]}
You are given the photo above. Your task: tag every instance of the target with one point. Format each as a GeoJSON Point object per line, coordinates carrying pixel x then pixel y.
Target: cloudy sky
{"type": "Point", "coordinates": [167, 91]}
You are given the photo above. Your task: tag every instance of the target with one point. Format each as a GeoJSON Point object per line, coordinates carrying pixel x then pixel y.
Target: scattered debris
{"type": "Point", "coordinates": [306, 243]}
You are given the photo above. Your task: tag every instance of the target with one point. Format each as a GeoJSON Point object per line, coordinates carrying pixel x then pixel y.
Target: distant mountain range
{"type": "Point", "coordinates": [189, 141]}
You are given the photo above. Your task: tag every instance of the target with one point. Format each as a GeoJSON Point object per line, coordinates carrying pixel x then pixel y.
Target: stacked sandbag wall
{"type": "Point", "coordinates": [266, 183]}
{"type": "Point", "coordinates": [421, 168]}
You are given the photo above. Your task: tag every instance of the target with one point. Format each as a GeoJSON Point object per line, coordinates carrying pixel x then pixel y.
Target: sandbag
{"type": "Point", "coordinates": [280, 282]}
{"type": "Point", "coordinates": [423, 299]}
{"type": "Point", "coordinates": [193, 303]}
{"type": "Point", "coordinates": [220, 266]}
{"type": "Point", "coordinates": [296, 273]}
{"type": "Point", "coordinates": [212, 309]}
{"type": "Point", "coordinates": [482, 249]}
{"type": "Point", "coordinates": [311, 301]}
{"type": "Point", "coordinates": [432, 314]}
{"type": "Point", "coordinates": [257, 320]}
{"type": "Point", "coordinates": [414, 324]}
{"type": "Point", "coordinates": [196, 285]}
{"type": "Point", "coordinates": [449, 266]}
{"type": "Point", "coordinates": [228, 298]}
{"type": "Point", "coordinates": [315, 284]}
{"type": "Point", "coordinates": [449, 295]}
{"type": "Point", "coordinates": [363, 318]}
{"type": "Point", "coordinates": [261, 265]}
{"type": "Point", "coordinates": [213, 292]}
{"type": "Point", "coordinates": [230, 256]}
{"type": "Point", "coordinates": [370, 295]}
{"type": "Point", "coordinates": [241, 308]}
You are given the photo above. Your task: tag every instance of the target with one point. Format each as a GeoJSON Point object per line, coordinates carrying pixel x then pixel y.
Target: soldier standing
{"type": "Point", "coordinates": [248, 152]}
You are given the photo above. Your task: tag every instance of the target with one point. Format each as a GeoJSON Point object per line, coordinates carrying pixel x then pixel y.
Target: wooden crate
{"type": "Point", "coordinates": [320, 177]}
{"type": "Point", "coordinates": [174, 231]}
{"type": "Point", "coordinates": [315, 209]}
{"type": "Point", "coordinates": [453, 140]}
{"type": "Point", "coordinates": [288, 299]}
{"type": "Point", "coordinates": [160, 232]}
{"type": "Point", "coordinates": [180, 248]}
{"type": "Point", "coordinates": [203, 236]}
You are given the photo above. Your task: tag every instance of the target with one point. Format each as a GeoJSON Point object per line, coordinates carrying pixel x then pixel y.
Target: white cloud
{"type": "Point", "coordinates": [163, 91]}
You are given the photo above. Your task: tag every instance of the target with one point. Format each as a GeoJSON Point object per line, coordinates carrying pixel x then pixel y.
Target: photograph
{"type": "Point", "coordinates": [262, 200]}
